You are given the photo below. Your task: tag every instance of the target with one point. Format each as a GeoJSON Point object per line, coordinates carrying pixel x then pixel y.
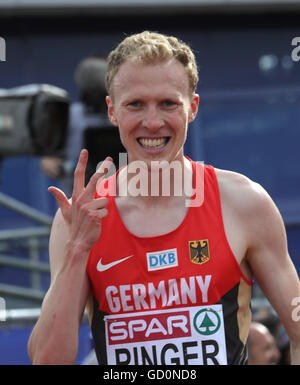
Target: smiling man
{"type": "Point", "coordinates": [164, 282]}
{"type": "Point", "coordinates": [152, 105]}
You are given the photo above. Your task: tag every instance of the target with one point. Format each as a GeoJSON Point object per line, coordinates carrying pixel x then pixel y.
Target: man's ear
{"type": "Point", "coordinates": [194, 107]}
{"type": "Point", "coordinates": [111, 111]}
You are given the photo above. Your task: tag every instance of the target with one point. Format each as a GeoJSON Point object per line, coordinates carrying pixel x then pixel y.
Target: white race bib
{"type": "Point", "coordinates": [183, 336]}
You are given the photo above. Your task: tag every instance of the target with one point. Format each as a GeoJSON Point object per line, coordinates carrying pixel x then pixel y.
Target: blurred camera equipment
{"type": "Point", "coordinates": [33, 120]}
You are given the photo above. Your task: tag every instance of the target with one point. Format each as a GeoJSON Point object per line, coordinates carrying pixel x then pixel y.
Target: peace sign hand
{"type": "Point", "coordinates": [83, 213]}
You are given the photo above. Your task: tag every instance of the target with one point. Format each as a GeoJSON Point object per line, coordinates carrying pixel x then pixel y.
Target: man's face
{"type": "Point", "coordinates": [152, 105]}
{"type": "Point", "coordinates": [265, 351]}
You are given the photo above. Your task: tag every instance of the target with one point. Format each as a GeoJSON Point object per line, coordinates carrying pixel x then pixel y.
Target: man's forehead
{"type": "Point", "coordinates": [133, 73]}
{"type": "Point", "coordinates": [135, 64]}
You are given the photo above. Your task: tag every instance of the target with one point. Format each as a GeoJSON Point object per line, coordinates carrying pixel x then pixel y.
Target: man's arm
{"type": "Point", "coordinates": [75, 230]}
{"type": "Point", "coordinates": [54, 339]}
{"type": "Point", "coordinates": [270, 262]}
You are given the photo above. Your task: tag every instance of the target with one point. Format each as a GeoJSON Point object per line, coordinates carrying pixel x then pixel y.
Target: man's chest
{"type": "Point", "coordinates": [154, 220]}
{"type": "Point", "coordinates": [162, 219]}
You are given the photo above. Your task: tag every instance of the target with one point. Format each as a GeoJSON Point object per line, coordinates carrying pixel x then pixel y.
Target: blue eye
{"type": "Point", "coordinates": [169, 103]}
{"type": "Point", "coordinates": [135, 104]}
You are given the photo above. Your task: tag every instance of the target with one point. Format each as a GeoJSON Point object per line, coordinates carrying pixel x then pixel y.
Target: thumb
{"type": "Point", "coordinates": [61, 199]}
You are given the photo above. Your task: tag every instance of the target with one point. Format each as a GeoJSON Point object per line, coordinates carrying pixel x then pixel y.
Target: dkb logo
{"type": "Point", "coordinates": [2, 49]}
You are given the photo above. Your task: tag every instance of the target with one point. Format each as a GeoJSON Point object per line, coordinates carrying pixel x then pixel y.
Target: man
{"type": "Point", "coordinates": [262, 346]}
{"type": "Point", "coordinates": [167, 275]}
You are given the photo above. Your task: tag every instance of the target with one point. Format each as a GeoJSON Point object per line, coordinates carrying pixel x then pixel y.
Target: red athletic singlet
{"type": "Point", "coordinates": [179, 298]}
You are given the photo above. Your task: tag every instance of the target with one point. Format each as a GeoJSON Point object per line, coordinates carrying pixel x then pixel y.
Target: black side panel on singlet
{"type": "Point", "coordinates": [237, 354]}
{"type": "Point", "coordinates": [98, 332]}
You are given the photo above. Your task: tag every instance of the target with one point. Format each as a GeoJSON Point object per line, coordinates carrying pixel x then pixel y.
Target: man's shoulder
{"type": "Point", "coordinates": [231, 180]}
{"type": "Point", "coordinates": [241, 193]}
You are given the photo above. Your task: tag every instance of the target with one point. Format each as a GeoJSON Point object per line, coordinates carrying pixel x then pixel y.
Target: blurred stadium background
{"type": "Point", "coordinates": [249, 118]}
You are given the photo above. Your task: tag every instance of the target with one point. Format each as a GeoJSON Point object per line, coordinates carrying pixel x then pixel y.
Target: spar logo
{"type": "Point", "coordinates": [148, 327]}
{"type": "Point", "coordinates": [183, 336]}
{"type": "Point", "coordinates": [207, 322]}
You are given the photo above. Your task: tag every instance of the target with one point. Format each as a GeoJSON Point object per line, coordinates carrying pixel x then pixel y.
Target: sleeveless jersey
{"type": "Point", "coordinates": [178, 298]}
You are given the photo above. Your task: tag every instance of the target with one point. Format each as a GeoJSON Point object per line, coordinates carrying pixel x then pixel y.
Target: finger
{"type": "Point", "coordinates": [61, 199]}
{"type": "Point", "coordinates": [99, 203]}
{"type": "Point", "coordinates": [105, 165]}
{"type": "Point", "coordinates": [98, 167]}
{"type": "Point", "coordinates": [97, 209]}
{"type": "Point", "coordinates": [98, 176]}
{"type": "Point", "coordinates": [96, 216]}
{"type": "Point", "coordinates": [79, 174]}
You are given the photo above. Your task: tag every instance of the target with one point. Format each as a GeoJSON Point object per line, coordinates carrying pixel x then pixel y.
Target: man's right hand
{"type": "Point", "coordinates": [83, 213]}
{"type": "Point", "coordinates": [76, 228]}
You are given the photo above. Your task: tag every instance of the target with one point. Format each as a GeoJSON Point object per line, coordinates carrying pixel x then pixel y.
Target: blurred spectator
{"type": "Point", "coordinates": [283, 344]}
{"type": "Point", "coordinates": [89, 112]}
{"type": "Point", "coordinates": [262, 348]}
{"type": "Point", "coordinates": [269, 318]}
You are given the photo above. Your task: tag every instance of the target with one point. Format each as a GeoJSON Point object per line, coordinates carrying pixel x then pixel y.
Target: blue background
{"type": "Point", "coordinates": [248, 122]}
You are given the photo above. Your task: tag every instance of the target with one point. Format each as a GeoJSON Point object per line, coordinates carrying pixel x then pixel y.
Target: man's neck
{"type": "Point", "coordinates": [157, 183]}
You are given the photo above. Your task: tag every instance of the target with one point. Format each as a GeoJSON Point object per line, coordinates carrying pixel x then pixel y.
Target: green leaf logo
{"type": "Point", "coordinates": [207, 321]}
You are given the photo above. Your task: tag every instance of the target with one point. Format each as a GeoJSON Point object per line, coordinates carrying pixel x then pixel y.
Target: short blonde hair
{"type": "Point", "coordinates": [150, 47]}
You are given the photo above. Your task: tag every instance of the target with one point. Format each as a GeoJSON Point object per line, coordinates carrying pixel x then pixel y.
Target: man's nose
{"type": "Point", "coordinates": [152, 119]}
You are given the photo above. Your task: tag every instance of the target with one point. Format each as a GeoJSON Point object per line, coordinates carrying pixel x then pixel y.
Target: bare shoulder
{"type": "Point", "coordinates": [251, 206]}
{"type": "Point", "coordinates": [242, 193]}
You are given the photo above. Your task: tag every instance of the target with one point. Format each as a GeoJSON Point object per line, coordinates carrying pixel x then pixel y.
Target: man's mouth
{"type": "Point", "coordinates": [153, 142]}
